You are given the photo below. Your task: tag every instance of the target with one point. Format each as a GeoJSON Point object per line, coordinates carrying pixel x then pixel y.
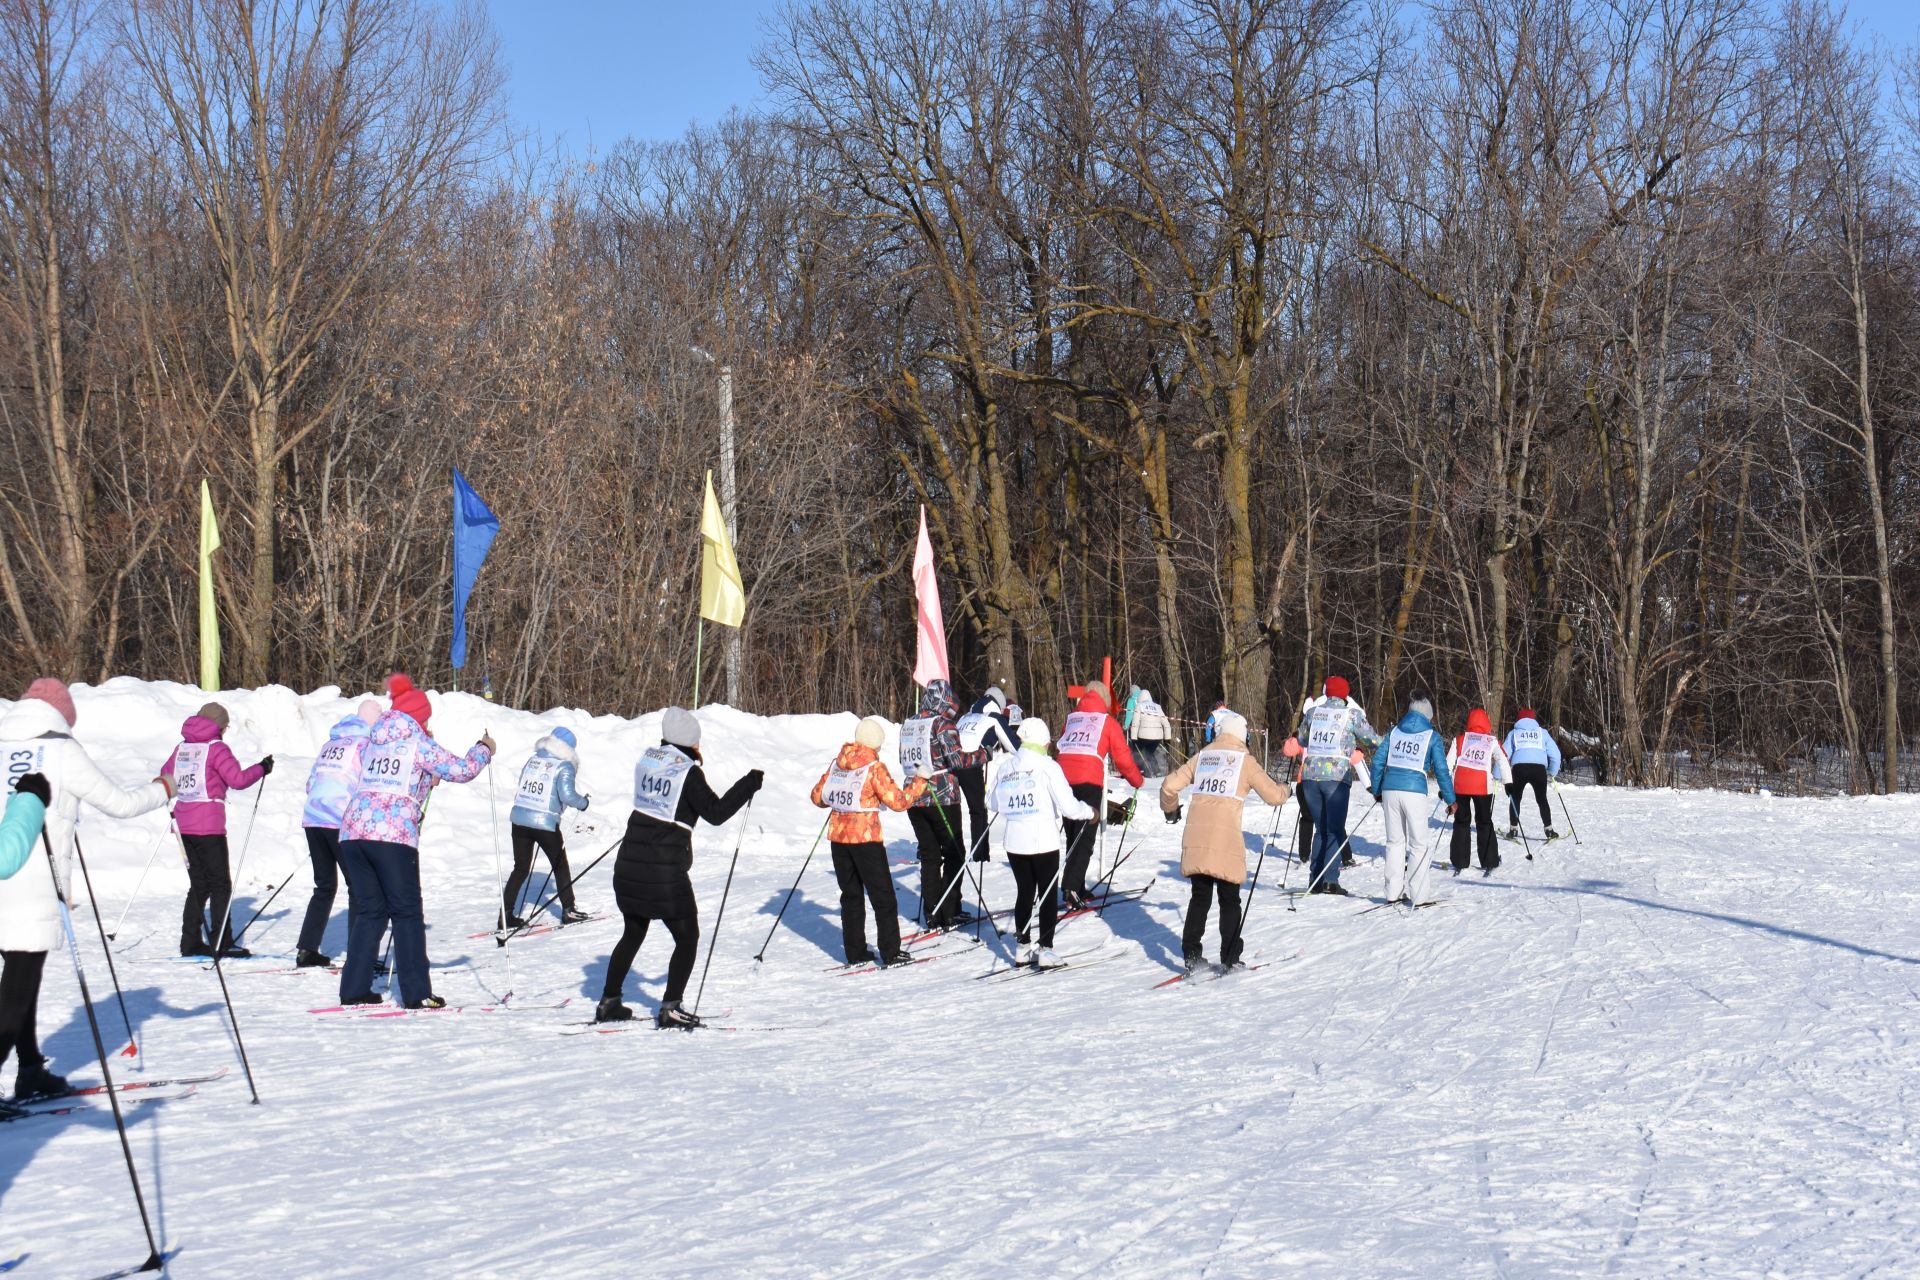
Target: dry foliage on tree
{"type": "Point", "coordinates": [1527, 351]}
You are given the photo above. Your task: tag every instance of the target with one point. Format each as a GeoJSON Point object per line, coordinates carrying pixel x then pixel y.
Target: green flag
{"type": "Point", "coordinates": [209, 615]}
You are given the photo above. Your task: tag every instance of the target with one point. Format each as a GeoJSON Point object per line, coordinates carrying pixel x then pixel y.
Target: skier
{"type": "Point", "coordinates": [329, 785]}
{"type": "Point", "coordinates": [1330, 734]}
{"type": "Point", "coordinates": [1213, 855]}
{"type": "Point", "coordinates": [932, 739]}
{"type": "Point", "coordinates": [1535, 757]}
{"type": "Point", "coordinates": [19, 836]}
{"type": "Point", "coordinates": [1148, 731]}
{"type": "Point", "coordinates": [380, 843]}
{"type": "Point", "coordinates": [984, 728]}
{"type": "Point", "coordinates": [1401, 765]}
{"type": "Point", "coordinates": [1477, 762]}
{"type": "Point", "coordinates": [547, 789]}
{"type": "Point", "coordinates": [854, 787]}
{"type": "Point", "coordinates": [1294, 751]}
{"type": "Point", "coordinates": [652, 877]}
{"type": "Point", "coordinates": [36, 737]}
{"type": "Point", "coordinates": [203, 769]}
{"type": "Point", "coordinates": [1213, 722]}
{"type": "Point", "coordinates": [1033, 795]}
{"type": "Point", "coordinates": [1087, 741]}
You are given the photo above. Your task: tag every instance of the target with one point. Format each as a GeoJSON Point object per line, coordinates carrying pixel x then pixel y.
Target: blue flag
{"type": "Point", "coordinates": [474, 528]}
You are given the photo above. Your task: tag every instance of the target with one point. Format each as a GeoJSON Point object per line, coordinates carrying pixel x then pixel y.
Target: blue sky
{"type": "Point", "coordinates": [594, 71]}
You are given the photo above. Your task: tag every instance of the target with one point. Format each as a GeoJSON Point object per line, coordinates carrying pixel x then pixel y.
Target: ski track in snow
{"type": "Point", "coordinates": [1682, 1047]}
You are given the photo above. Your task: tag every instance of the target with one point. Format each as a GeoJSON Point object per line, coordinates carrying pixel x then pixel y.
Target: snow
{"type": "Point", "coordinates": [1683, 1046]}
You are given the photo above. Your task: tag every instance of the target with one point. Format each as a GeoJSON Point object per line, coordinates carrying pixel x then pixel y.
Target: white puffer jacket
{"type": "Point", "coordinates": [1037, 829]}
{"type": "Point", "coordinates": [34, 738]}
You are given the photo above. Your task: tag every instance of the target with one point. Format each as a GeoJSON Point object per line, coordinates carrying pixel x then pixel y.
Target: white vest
{"type": "Point", "coordinates": [658, 780]}
{"type": "Point", "coordinates": [1476, 752]}
{"type": "Point", "coordinates": [1216, 772]}
{"type": "Point", "coordinates": [916, 745]}
{"type": "Point", "coordinates": [1017, 794]}
{"type": "Point", "coordinates": [331, 764]}
{"type": "Point", "coordinates": [190, 773]}
{"type": "Point", "coordinates": [535, 793]}
{"type": "Point", "coordinates": [387, 769]}
{"type": "Point", "coordinates": [1081, 735]}
{"type": "Point", "coordinates": [845, 787]}
{"type": "Point", "coordinates": [1408, 750]}
{"type": "Point", "coordinates": [1327, 732]}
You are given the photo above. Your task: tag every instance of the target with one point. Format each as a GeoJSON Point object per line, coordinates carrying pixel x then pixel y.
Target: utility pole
{"type": "Point", "coordinates": [733, 655]}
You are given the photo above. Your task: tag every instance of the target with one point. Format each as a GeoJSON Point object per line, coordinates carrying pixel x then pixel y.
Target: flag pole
{"type": "Point", "coordinates": [699, 634]}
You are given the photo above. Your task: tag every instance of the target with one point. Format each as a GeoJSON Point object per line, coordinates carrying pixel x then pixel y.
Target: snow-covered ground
{"type": "Point", "coordinates": [1684, 1046]}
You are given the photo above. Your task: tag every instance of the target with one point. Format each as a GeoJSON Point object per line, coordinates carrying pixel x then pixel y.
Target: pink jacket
{"type": "Point", "coordinates": [209, 817]}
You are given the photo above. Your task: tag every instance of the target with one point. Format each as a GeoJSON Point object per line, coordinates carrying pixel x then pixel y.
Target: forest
{"type": "Point", "coordinates": [1549, 353]}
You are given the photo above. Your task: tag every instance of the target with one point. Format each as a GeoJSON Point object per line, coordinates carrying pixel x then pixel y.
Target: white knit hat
{"type": "Point", "coordinates": [1034, 732]}
{"type": "Point", "coordinates": [1230, 722]}
{"type": "Point", "coordinates": [678, 727]}
{"type": "Point", "coordinates": [871, 733]}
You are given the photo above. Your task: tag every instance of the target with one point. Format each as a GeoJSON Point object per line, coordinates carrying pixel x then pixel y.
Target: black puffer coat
{"type": "Point", "coordinates": [651, 877]}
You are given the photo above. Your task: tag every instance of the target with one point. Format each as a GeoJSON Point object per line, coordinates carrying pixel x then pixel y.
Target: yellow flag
{"type": "Point", "coordinates": [722, 597]}
{"type": "Point", "coordinates": [209, 615]}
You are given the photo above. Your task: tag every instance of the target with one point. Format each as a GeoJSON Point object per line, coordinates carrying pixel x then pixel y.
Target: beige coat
{"type": "Point", "coordinates": [1212, 845]}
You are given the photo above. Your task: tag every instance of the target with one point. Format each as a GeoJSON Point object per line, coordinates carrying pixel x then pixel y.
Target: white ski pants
{"type": "Point", "coordinates": [1407, 863]}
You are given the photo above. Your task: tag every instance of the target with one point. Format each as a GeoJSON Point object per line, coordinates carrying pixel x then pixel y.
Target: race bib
{"type": "Point", "coordinates": [844, 789]}
{"type": "Point", "coordinates": [1014, 714]}
{"type": "Point", "coordinates": [1148, 707]}
{"type": "Point", "coordinates": [1217, 773]}
{"type": "Point", "coordinates": [387, 770]}
{"type": "Point", "coordinates": [536, 784]}
{"type": "Point", "coordinates": [1476, 752]}
{"type": "Point", "coordinates": [658, 780]}
{"type": "Point", "coordinates": [916, 745]}
{"type": "Point", "coordinates": [1017, 794]}
{"type": "Point", "coordinates": [22, 761]}
{"type": "Point", "coordinates": [1408, 750]}
{"type": "Point", "coordinates": [1530, 738]}
{"type": "Point", "coordinates": [335, 761]}
{"type": "Point", "coordinates": [1081, 735]}
{"type": "Point", "coordinates": [1327, 732]}
{"type": "Point", "coordinates": [190, 773]}
{"type": "Point", "coordinates": [973, 729]}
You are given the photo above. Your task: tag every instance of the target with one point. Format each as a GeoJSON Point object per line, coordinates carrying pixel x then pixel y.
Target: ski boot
{"type": "Point", "coordinates": [1027, 952]}
{"type": "Point", "coordinates": [312, 960]}
{"type": "Point", "coordinates": [233, 952]}
{"type": "Point", "coordinates": [897, 960]}
{"type": "Point", "coordinates": [1552, 834]}
{"type": "Point", "coordinates": [430, 1002]}
{"type": "Point", "coordinates": [36, 1082]}
{"type": "Point", "coordinates": [1335, 889]}
{"type": "Point", "coordinates": [199, 950]}
{"type": "Point", "coordinates": [573, 915]}
{"type": "Point", "coordinates": [364, 998]}
{"type": "Point", "coordinates": [511, 922]}
{"type": "Point", "coordinates": [1047, 959]}
{"type": "Point", "coordinates": [611, 1010]}
{"type": "Point", "coordinates": [1193, 960]}
{"type": "Point", "coordinates": [672, 1016]}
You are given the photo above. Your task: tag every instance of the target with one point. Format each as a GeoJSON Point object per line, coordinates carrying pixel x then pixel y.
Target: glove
{"type": "Point", "coordinates": [35, 785]}
{"type": "Point", "coordinates": [755, 779]}
{"type": "Point", "coordinates": [924, 772]}
{"type": "Point", "coordinates": [1451, 808]}
{"type": "Point", "coordinates": [586, 802]}
{"type": "Point", "coordinates": [1358, 757]}
{"type": "Point", "coordinates": [980, 853]}
{"type": "Point", "coordinates": [266, 765]}
{"type": "Point", "coordinates": [1131, 802]}
{"type": "Point", "coordinates": [1292, 749]}
{"type": "Point", "coordinates": [1173, 815]}
{"type": "Point", "coordinates": [486, 740]}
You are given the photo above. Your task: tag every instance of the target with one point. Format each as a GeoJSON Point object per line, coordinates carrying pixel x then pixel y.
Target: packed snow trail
{"type": "Point", "coordinates": [1684, 1046]}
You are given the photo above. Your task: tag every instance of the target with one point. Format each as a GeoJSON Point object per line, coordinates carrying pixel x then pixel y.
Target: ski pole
{"type": "Point", "coordinates": [137, 886]}
{"type": "Point", "coordinates": [1106, 899]}
{"type": "Point", "coordinates": [500, 894]}
{"type": "Point", "coordinates": [980, 880]}
{"type": "Point", "coordinates": [762, 954]}
{"type": "Point", "coordinates": [1260, 862]}
{"type": "Point", "coordinates": [1561, 796]}
{"type": "Point", "coordinates": [551, 898]}
{"type": "Point", "coordinates": [960, 876]}
{"type": "Point", "coordinates": [261, 910]}
{"type": "Point", "coordinates": [1333, 859]}
{"type": "Point", "coordinates": [721, 914]}
{"type": "Point", "coordinates": [154, 1261]}
{"type": "Point", "coordinates": [86, 876]}
{"type": "Point", "coordinates": [1132, 805]}
{"type": "Point", "coordinates": [225, 995]}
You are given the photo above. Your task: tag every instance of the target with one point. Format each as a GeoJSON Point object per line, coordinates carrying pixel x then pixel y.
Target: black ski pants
{"type": "Point", "coordinates": [209, 893]}
{"type": "Point", "coordinates": [323, 850]}
{"type": "Point", "coordinates": [1303, 834]}
{"type": "Point", "coordinates": [973, 789]}
{"type": "Point", "coordinates": [1469, 811]}
{"type": "Point", "coordinates": [1034, 873]}
{"type": "Point", "coordinates": [1204, 890]}
{"type": "Point", "coordinates": [686, 948]}
{"type": "Point", "coordinates": [1524, 776]}
{"type": "Point", "coordinates": [863, 874]}
{"type": "Point", "coordinates": [942, 859]}
{"type": "Point", "coordinates": [1081, 837]}
{"type": "Point", "coordinates": [19, 1000]}
{"type": "Point", "coordinates": [550, 843]}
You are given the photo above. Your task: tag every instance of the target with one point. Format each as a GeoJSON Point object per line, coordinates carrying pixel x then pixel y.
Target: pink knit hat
{"type": "Point", "coordinates": [54, 693]}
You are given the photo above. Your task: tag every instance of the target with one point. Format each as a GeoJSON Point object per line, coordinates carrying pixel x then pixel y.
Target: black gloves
{"type": "Point", "coordinates": [1173, 816]}
{"type": "Point", "coordinates": [755, 779]}
{"type": "Point", "coordinates": [266, 766]}
{"type": "Point", "coordinates": [980, 853]}
{"type": "Point", "coordinates": [35, 785]}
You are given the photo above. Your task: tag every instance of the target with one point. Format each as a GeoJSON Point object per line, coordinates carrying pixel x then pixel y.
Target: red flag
{"type": "Point", "coordinates": [930, 655]}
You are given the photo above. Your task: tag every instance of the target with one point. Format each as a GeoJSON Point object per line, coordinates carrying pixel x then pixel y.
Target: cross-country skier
{"type": "Point", "coordinates": [652, 877]}
{"type": "Point", "coordinates": [329, 786]}
{"type": "Point", "coordinates": [203, 769]}
{"type": "Point", "coordinates": [380, 843]}
{"type": "Point", "coordinates": [1213, 856]}
{"type": "Point", "coordinates": [855, 787]}
{"type": "Point", "coordinates": [1401, 765]}
{"type": "Point", "coordinates": [984, 728]}
{"type": "Point", "coordinates": [1213, 722]}
{"type": "Point", "coordinates": [1087, 741]}
{"type": "Point", "coordinates": [19, 840]}
{"type": "Point", "coordinates": [1329, 734]}
{"type": "Point", "coordinates": [1477, 762]}
{"type": "Point", "coordinates": [1294, 751]}
{"type": "Point", "coordinates": [1536, 758]}
{"type": "Point", "coordinates": [36, 737]}
{"type": "Point", "coordinates": [1148, 730]}
{"type": "Point", "coordinates": [932, 738]}
{"type": "Point", "coordinates": [548, 788]}
{"type": "Point", "coordinates": [1032, 796]}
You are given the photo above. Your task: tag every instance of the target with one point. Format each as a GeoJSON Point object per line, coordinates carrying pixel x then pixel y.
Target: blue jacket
{"type": "Point", "coordinates": [1528, 743]}
{"type": "Point", "coordinates": [1388, 777]}
{"type": "Point", "coordinates": [18, 830]}
{"type": "Point", "coordinates": [330, 784]}
{"type": "Point", "coordinates": [560, 797]}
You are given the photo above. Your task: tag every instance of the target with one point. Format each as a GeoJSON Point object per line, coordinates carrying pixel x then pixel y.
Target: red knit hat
{"type": "Point", "coordinates": [407, 699]}
{"type": "Point", "coordinates": [54, 693]}
{"type": "Point", "coordinates": [1526, 713]}
{"type": "Point", "coordinates": [1336, 686]}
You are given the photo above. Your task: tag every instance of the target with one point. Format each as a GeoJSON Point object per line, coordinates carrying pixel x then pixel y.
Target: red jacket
{"type": "Point", "coordinates": [1479, 782]}
{"type": "Point", "coordinates": [1084, 770]}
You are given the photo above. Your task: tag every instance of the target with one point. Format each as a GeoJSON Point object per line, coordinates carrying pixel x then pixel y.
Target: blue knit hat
{"type": "Point", "coordinates": [566, 736]}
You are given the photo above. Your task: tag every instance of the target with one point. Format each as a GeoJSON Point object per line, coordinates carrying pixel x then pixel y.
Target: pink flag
{"type": "Point", "coordinates": [930, 656]}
